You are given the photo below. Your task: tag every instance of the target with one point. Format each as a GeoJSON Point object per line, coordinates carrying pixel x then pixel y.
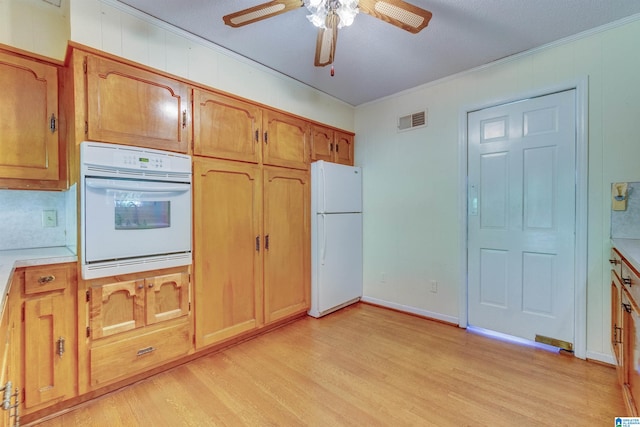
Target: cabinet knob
{"type": "Point", "coordinates": [614, 261]}
{"type": "Point", "coordinates": [151, 285]}
{"type": "Point", "coordinates": [140, 286]}
{"type": "Point", "coordinates": [627, 281]}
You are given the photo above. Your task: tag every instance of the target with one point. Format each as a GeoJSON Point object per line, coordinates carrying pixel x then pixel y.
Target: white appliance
{"type": "Point", "coordinates": [135, 209]}
{"type": "Point", "coordinates": [336, 237]}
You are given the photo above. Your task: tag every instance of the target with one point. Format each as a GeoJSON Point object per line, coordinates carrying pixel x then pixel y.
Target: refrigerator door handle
{"type": "Point", "coordinates": [324, 189]}
{"type": "Point", "coordinates": [323, 251]}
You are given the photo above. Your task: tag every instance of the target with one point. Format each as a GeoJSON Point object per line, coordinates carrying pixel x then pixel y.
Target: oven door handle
{"type": "Point", "coordinates": [154, 187]}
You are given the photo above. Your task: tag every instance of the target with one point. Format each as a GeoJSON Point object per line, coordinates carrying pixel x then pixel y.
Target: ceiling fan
{"type": "Point", "coordinates": [329, 15]}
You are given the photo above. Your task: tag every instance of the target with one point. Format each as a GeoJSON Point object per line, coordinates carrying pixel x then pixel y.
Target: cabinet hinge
{"type": "Point", "coordinates": [88, 332]}
{"type": "Point", "coordinates": [88, 296]}
{"type": "Point", "coordinates": [52, 123]}
{"type": "Point", "coordinates": [266, 138]}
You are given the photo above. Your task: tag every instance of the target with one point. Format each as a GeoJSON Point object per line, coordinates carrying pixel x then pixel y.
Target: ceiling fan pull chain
{"type": "Point", "coordinates": [332, 71]}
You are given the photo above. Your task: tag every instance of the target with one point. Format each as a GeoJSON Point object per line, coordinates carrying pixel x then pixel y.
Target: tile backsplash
{"type": "Point", "coordinates": [626, 224]}
{"type": "Point", "coordinates": [21, 219]}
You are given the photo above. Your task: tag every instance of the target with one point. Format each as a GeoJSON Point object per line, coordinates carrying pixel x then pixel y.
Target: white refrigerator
{"type": "Point", "coordinates": [336, 237]}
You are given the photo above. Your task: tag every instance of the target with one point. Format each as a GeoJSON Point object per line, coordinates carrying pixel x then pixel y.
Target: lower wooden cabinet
{"type": "Point", "coordinates": [252, 262]}
{"type": "Point", "coordinates": [625, 318]}
{"type": "Point", "coordinates": [45, 323]}
{"type": "Point", "coordinates": [136, 323]}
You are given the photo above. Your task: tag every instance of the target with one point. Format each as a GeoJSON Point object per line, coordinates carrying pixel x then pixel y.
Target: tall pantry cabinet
{"type": "Point", "coordinates": [251, 217]}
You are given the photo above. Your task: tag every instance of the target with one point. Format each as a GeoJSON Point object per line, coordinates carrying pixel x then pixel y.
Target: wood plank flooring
{"type": "Point", "coordinates": [366, 366]}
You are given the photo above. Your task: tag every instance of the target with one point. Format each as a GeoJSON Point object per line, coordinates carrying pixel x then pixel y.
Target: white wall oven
{"type": "Point", "coordinates": [135, 209]}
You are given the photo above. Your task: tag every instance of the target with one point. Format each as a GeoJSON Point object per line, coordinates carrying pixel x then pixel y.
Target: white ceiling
{"type": "Point", "coordinates": [375, 59]}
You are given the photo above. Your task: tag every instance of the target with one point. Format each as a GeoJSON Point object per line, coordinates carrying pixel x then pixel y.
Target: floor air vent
{"type": "Point", "coordinates": [412, 121]}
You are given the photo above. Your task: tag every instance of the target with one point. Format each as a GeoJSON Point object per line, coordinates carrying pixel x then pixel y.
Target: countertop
{"type": "Point", "coordinates": [12, 259]}
{"type": "Point", "coordinates": [630, 249]}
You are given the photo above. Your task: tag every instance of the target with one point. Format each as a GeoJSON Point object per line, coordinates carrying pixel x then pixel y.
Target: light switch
{"type": "Point", "coordinates": [49, 218]}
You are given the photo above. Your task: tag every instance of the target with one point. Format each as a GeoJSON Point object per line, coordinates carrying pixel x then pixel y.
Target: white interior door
{"type": "Point", "coordinates": [522, 216]}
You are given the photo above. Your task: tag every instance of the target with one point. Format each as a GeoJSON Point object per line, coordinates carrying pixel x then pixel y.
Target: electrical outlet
{"type": "Point", "coordinates": [49, 218]}
{"type": "Point", "coordinates": [434, 286]}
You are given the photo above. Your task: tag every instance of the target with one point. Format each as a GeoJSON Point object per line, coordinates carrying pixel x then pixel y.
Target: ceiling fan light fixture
{"type": "Point", "coordinates": [346, 10]}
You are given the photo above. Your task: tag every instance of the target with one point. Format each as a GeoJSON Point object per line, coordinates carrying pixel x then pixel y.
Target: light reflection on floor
{"type": "Point", "coordinates": [510, 338]}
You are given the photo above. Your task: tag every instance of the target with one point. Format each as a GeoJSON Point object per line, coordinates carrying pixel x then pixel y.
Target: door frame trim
{"type": "Point", "coordinates": [581, 86]}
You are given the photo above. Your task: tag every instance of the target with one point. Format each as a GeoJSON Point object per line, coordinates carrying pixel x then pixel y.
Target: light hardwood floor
{"type": "Point", "coordinates": [367, 366]}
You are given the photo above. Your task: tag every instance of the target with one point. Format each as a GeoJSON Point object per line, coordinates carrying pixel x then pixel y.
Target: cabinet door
{"type": "Point", "coordinates": [226, 128]}
{"type": "Point", "coordinates": [227, 247]}
{"type": "Point", "coordinates": [286, 141]}
{"type": "Point", "coordinates": [48, 350]}
{"type": "Point", "coordinates": [287, 243]}
{"type": "Point", "coordinates": [343, 148]}
{"type": "Point", "coordinates": [321, 143]}
{"type": "Point", "coordinates": [616, 324]}
{"type": "Point", "coordinates": [28, 101]}
{"type": "Point", "coordinates": [631, 357]}
{"type": "Point", "coordinates": [132, 106]}
{"type": "Point", "coordinates": [116, 307]}
{"type": "Point", "coordinates": [167, 297]}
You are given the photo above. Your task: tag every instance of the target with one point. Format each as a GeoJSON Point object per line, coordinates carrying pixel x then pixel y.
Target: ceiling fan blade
{"type": "Point", "coordinates": [397, 12]}
{"type": "Point", "coordinates": [262, 11]}
{"type": "Point", "coordinates": [326, 42]}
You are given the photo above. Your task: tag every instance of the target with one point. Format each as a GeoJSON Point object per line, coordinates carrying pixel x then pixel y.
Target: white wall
{"type": "Point", "coordinates": [411, 179]}
{"type": "Point", "coordinates": [35, 26]}
{"type": "Point", "coordinates": [115, 28]}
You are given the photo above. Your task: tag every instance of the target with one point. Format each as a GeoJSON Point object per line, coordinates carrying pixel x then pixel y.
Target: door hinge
{"type": "Point", "coordinates": [52, 123]}
{"type": "Point", "coordinates": [88, 332]}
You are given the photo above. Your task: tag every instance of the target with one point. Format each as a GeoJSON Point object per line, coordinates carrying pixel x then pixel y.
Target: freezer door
{"type": "Point", "coordinates": [336, 188]}
{"type": "Point", "coordinates": [339, 258]}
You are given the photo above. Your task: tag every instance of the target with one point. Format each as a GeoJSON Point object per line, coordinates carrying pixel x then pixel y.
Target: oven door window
{"type": "Point", "coordinates": [130, 218]}
{"type": "Point", "coordinates": [131, 213]}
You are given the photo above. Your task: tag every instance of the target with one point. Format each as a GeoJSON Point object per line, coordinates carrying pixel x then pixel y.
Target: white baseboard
{"type": "Point", "coordinates": [601, 357]}
{"type": "Point", "coordinates": [412, 310]}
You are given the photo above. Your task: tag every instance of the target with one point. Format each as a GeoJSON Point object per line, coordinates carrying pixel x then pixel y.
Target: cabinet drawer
{"type": "Point", "coordinates": [49, 278]}
{"type": "Point", "coordinates": [124, 358]}
{"type": "Point", "coordinates": [630, 280]}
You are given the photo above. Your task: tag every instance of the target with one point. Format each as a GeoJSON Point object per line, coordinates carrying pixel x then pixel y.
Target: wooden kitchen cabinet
{"type": "Point", "coordinates": [286, 140]}
{"type": "Point", "coordinates": [47, 337]}
{"type": "Point", "coordinates": [287, 257]}
{"type": "Point", "coordinates": [132, 106]}
{"type": "Point", "coordinates": [252, 260]}
{"type": "Point", "coordinates": [631, 352]}
{"type": "Point", "coordinates": [137, 323]}
{"type": "Point", "coordinates": [32, 153]}
{"type": "Point", "coordinates": [331, 145]}
{"type": "Point", "coordinates": [228, 249]}
{"type": "Point", "coordinates": [226, 128]}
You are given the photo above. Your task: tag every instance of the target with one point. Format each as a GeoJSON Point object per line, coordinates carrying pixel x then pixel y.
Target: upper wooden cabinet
{"type": "Point", "coordinates": [132, 106]}
{"type": "Point", "coordinates": [31, 152]}
{"type": "Point", "coordinates": [331, 145]}
{"type": "Point", "coordinates": [286, 140]}
{"type": "Point", "coordinates": [227, 128]}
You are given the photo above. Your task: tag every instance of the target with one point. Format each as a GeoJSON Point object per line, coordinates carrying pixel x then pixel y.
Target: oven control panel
{"type": "Point", "coordinates": [110, 158]}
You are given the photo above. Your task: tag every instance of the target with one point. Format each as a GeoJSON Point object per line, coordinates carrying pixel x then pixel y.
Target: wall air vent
{"type": "Point", "coordinates": [412, 121]}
